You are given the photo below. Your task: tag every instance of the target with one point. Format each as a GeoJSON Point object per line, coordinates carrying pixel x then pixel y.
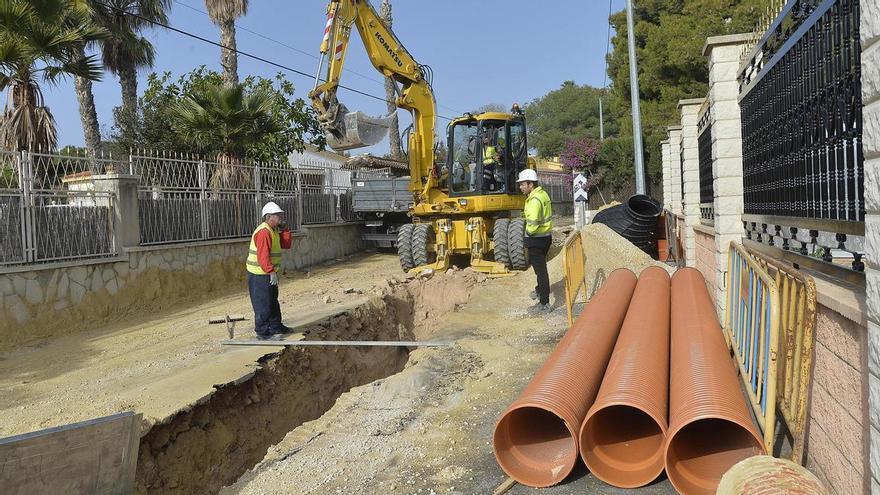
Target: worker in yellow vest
{"type": "Point", "coordinates": [537, 213]}
{"type": "Point", "coordinates": [263, 263]}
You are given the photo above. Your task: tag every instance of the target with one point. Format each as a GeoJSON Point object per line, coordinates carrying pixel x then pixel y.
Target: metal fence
{"type": "Point", "coordinates": [559, 187]}
{"type": "Point", "coordinates": [55, 207]}
{"type": "Point", "coordinates": [707, 190]}
{"type": "Point", "coordinates": [800, 97]}
{"type": "Point", "coordinates": [186, 199]}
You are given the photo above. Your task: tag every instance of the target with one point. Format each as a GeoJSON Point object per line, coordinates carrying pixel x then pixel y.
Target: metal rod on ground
{"type": "Point", "coordinates": [343, 343]}
{"type": "Point", "coordinates": [634, 98]}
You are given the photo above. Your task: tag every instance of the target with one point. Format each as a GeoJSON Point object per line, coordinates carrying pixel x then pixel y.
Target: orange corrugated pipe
{"type": "Point", "coordinates": [535, 440]}
{"type": "Point", "coordinates": [710, 425]}
{"type": "Point", "coordinates": [623, 436]}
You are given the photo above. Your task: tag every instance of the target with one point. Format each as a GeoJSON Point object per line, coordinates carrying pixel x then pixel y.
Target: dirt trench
{"type": "Point", "coordinates": [209, 446]}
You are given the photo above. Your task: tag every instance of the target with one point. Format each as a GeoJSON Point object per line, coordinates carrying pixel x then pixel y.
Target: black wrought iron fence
{"type": "Point", "coordinates": [707, 189]}
{"type": "Point", "coordinates": [800, 98]}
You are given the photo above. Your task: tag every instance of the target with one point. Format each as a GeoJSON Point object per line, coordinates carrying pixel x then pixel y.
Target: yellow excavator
{"type": "Point", "coordinates": [466, 206]}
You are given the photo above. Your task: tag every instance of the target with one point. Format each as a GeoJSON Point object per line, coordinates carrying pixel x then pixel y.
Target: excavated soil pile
{"type": "Point", "coordinates": [212, 444]}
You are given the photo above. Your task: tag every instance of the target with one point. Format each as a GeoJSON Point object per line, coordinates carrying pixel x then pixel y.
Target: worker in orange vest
{"type": "Point", "coordinates": [263, 263]}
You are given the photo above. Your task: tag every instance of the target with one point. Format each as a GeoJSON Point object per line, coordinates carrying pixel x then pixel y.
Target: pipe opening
{"type": "Point", "coordinates": [623, 446]}
{"type": "Point", "coordinates": [701, 452]}
{"type": "Point", "coordinates": [535, 446]}
{"type": "Point", "coordinates": [643, 205]}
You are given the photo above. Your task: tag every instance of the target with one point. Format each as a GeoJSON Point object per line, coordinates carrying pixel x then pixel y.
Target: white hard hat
{"type": "Point", "coordinates": [271, 208]}
{"type": "Point", "coordinates": [528, 174]}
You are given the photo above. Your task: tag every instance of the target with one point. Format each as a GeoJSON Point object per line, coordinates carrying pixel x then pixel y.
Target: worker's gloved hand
{"type": "Point", "coordinates": [273, 278]}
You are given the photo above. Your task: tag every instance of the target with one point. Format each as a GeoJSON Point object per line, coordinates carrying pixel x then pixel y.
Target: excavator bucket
{"type": "Point", "coordinates": [356, 130]}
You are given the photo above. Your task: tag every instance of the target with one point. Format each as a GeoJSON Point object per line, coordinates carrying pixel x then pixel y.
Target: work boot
{"type": "Point", "coordinates": [540, 309]}
{"type": "Point", "coordinates": [283, 330]}
{"type": "Point", "coordinates": [269, 337]}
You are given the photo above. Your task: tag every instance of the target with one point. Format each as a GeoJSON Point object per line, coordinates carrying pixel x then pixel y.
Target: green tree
{"type": "Point", "coordinates": [154, 126]}
{"type": "Point", "coordinates": [126, 50]}
{"type": "Point", "coordinates": [566, 113]}
{"type": "Point", "coordinates": [229, 120]}
{"type": "Point", "coordinates": [670, 35]}
{"type": "Point", "coordinates": [40, 42]}
{"type": "Point", "coordinates": [224, 13]}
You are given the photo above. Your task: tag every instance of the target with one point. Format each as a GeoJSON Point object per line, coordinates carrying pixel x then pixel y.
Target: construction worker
{"type": "Point", "coordinates": [537, 212]}
{"type": "Point", "coordinates": [263, 263]}
{"type": "Point", "coordinates": [491, 161]}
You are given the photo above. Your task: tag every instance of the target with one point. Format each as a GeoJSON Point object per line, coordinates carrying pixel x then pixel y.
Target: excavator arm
{"type": "Point", "coordinates": [346, 130]}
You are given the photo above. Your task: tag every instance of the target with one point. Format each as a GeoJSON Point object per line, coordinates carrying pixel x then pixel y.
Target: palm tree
{"type": "Point", "coordinates": [125, 50]}
{"type": "Point", "coordinates": [40, 42]}
{"type": "Point", "coordinates": [224, 13]}
{"type": "Point", "coordinates": [225, 121]}
{"type": "Point", "coordinates": [390, 93]}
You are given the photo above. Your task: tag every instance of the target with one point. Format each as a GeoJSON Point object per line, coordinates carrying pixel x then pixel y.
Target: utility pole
{"type": "Point", "coordinates": [601, 121]}
{"type": "Point", "coordinates": [634, 98]}
{"type": "Point", "coordinates": [391, 93]}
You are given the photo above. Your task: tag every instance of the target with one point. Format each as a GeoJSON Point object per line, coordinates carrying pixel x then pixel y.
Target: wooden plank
{"type": "Point", "coordinates": [339, 343]}
{"type": "Point", "coordinates": [95, 456]}
{"type": "Point", "coordinates": [504, 486]}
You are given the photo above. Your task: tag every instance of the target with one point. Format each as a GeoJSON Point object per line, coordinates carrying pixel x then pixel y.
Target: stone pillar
{"type": "Point", "coordinates": [690, 110]}
{"type": "Point", "coordinates": [870, 34]}
{"type": "Point", "coordinates": [674, 133]}
{"type": "Point", "coordinates": [126, 226]}
{"type": "Point", "coordinates": [723, 53]}
{"type": "Point", "coordinates": [667, 178]}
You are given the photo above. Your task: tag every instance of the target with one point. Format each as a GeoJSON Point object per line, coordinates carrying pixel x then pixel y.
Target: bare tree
{"type": "Point", "coordinates": [390, 93]}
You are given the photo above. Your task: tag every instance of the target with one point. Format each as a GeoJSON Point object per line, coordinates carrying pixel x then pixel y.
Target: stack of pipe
{"type": "Point", "coordinates": [670, 397]}
{"type": "Point", "coordinates": [535, 440]}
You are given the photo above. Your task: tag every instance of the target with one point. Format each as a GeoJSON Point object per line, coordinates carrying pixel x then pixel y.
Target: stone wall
{"type": "Point", "coordinates": [690, 110]}
{"type": "Point", "coordinates": [837, 423]}
{"type": "Point", "coordinates": [43, 301]}
{"type": "Point", "coordinates": [870, 34]}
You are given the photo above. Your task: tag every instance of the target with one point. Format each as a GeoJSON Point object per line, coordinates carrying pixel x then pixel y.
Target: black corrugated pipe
{"type": "Point", "coordinates": [635, 220]}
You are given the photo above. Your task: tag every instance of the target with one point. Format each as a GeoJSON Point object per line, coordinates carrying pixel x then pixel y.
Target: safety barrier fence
{"type": "Point", "coordinates": [752, 331]}
{"type": "Point", "coordinates": [797, 307]}
{"type": "Point", "coordinates": [54, 207]}
{"type": "Point", "coordinates": [573, 261]}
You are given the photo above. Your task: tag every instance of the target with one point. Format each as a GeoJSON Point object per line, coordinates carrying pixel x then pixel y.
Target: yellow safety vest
{"type": "Point", "coordinates": [488, 155]}
{"type": "Point", "coordinates": [537, 213]}
{"type": "Point", "coordinates": [253, 263]}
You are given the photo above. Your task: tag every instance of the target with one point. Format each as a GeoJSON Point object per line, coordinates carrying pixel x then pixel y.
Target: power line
{"type": "Point", "coordinates": [249, 55]}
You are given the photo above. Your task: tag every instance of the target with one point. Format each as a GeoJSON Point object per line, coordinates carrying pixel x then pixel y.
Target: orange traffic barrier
{"type": "Point", "coordinates": [624, 435]}
{"type": "Point", "coordinates": [710, 424]}
{"type": "Point", "coordinates": [535, 440]}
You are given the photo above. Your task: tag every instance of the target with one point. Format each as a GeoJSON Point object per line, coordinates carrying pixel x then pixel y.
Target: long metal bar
{"type": "Point", "coordinates": [820, 224]}
{"type": "Point", "coordinates": [634, 99]}
{"type": "Point", "coordinates": [338, 343]}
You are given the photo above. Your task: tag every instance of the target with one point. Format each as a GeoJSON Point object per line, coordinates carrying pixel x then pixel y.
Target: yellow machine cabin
{"type": "Point", "coordinates": [465, 206]}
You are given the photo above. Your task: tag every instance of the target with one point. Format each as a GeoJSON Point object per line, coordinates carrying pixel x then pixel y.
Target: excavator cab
{"type": "Point", "coordinates": [486, 153]}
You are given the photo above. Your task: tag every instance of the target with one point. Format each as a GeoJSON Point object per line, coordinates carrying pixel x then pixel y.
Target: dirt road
{"type": "Point", "coordinates": [160, 364]}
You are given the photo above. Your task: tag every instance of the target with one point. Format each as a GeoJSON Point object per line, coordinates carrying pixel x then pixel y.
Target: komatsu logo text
{"type": "Point", "coordinates": [388, 49]}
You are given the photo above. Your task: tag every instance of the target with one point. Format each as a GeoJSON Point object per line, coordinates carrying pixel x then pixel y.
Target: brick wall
{"type": "Point", "coordinates": [836, 443]}
{"type": "Point", "coordinates": [705, 256]}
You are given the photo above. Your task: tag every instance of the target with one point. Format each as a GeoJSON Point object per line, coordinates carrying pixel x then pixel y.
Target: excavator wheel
{"type": "Point", "coordinates": [404, 247]}
{"type": "Point", "coordinates": [516, 244]}
{"type": "Point", "coordinates": [499, 234]}
{"type": "Point", "coordinates": [422, 240]}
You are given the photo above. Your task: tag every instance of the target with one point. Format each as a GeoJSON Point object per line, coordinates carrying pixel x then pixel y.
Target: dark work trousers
{"type": "Point", "coordinates": [538, 248]}
{"type": "Point", "coordinates": [264, 299]}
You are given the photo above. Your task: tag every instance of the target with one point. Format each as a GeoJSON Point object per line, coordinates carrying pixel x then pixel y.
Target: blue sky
{"type": "Point", "coordinates": [500, 51]}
